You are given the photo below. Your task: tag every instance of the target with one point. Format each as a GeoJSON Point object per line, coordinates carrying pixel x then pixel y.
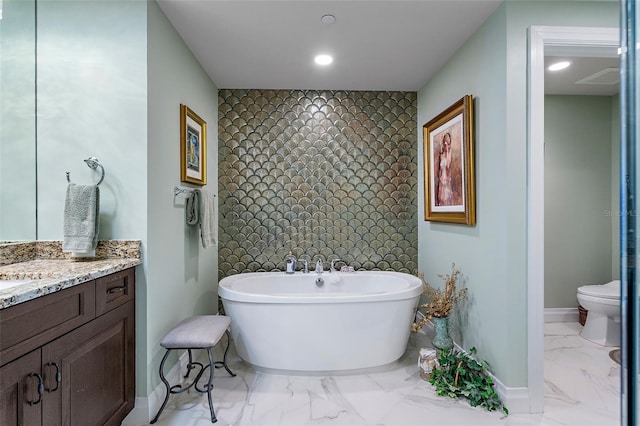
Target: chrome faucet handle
{"type": "Point", "coordinates": [306, 266]}
{"type": "Point", "coordinates": [319, 266]}
{"type": "Point", "coordinates": [333, 262]}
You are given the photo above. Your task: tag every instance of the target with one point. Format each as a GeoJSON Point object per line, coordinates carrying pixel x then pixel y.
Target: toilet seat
{"type": "Point", "coordinates": [588, 302]}
{"type": "Point", "coordinates": [605, 291]}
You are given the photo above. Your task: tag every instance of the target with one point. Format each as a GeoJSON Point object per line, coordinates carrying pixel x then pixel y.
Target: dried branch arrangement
{"type": "Point", "coordinates": [441, 301]}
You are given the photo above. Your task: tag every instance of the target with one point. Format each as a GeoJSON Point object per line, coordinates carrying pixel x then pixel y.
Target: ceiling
{"type": "Point", "coordinates": [596, 76]}
{"type": "Point", "coordinates": [376, 45]}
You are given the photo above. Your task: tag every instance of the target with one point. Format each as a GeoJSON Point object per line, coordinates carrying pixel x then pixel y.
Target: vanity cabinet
{"type": "Point", "coordinates": [68, 358]}
{"type": "Point", "coordinates": [18, 388]}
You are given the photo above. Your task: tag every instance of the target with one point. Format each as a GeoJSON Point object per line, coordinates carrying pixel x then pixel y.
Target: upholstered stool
{"type": "Point", "coordinates": [198, 332]}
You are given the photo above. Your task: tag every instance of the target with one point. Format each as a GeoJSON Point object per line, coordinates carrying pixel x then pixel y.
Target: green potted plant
{"type": "Point", "coordinates": [458, 375]}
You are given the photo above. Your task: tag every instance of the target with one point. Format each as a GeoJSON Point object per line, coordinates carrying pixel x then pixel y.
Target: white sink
{"type": "Point", "coordinates": [5, 284]}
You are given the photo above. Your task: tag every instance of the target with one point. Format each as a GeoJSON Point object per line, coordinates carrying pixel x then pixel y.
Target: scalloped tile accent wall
{"type": "Point", "coordinates": [321, 173]}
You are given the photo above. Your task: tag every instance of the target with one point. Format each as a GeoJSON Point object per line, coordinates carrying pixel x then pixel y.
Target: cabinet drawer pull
{"type": "Point", "coordinates": [58, 376]}
{"type": "Point", "coordinates": [40, 388]}
{"type": "Point", "coordinates": [114, 290]}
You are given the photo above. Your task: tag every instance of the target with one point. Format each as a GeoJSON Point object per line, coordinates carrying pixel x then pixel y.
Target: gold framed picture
{"type": "Point", "coordinates": [193, 147]}
{"type": "Point", "coordinates": [449, 187]}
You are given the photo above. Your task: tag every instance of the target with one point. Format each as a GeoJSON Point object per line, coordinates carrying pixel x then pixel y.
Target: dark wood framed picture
{"type": "Point", "coordinates": [449, 187]}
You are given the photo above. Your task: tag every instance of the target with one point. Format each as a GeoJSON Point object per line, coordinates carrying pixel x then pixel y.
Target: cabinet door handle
{"type": "Point", "coordinates": [58, 376]}
{"type": "Point", "coordinates": [40, 388]}
{"type": "Point", "coordinates": [114, 290]}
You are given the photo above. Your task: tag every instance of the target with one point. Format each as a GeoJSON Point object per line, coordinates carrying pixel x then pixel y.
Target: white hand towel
{"type": "Point", "coordinates": [81, 218]}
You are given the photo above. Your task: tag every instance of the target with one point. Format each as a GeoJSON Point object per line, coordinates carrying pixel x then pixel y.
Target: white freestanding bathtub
{"type": "Point", "coordinates": [287, 323]}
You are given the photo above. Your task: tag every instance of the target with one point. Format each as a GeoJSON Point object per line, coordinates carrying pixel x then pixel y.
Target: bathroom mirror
{"type": "Point", "coordinates": [18, 120]}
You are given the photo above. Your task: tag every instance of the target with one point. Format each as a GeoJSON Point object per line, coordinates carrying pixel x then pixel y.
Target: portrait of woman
{"type": "Point", "coordinates": [444, 194]}
{"type": "Point", "coordinates": [448, 169]}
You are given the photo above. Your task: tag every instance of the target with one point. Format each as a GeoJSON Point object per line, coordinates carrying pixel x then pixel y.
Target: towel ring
{"type": "Point", "coordinates": [92, 163]}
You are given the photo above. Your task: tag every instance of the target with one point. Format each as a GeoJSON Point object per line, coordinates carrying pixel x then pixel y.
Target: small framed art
{"type": "Point", "coordinates": [193, 147]}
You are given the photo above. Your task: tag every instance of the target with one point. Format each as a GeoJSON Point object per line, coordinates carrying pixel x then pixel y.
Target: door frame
{"type": "Point", "coordinates": [574, 41]}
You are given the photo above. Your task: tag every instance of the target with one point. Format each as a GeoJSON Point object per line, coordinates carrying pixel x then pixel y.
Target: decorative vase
{"type": "Point", "coordinates": [441, 339]}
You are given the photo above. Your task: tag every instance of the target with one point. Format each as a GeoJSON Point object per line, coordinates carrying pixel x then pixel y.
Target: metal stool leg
{"type": "Point", "coordinates": [223, 363]}
{"type": "Point", "coordinates": [166, 384]}
{"type": "Point", "coordinates": [190, 366]}
{"type": "Point", "coordinates": [209, 386]}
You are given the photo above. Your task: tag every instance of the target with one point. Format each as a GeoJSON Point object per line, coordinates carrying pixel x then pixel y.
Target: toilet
{"type": "Point", "coordinates": [603, 318]}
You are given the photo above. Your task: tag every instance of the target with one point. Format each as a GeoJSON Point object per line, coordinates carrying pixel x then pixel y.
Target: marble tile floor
{"type": "Point", "coordinates": [581, 388]}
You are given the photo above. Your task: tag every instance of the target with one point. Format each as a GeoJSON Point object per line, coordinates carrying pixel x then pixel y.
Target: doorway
{"type": "Point", "coordinates": [575, 40]}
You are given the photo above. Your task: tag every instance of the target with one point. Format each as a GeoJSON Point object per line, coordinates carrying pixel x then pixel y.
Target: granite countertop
{"type": "Point", "coordinates": [49, 276]}
{"type": "Point", "coordinates": [40, 277]}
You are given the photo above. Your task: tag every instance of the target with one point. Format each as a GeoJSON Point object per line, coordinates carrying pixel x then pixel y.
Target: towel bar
{"type": "Point", "coordinates": [177, 190]}
{"type": "Point", "coordinates": [92, 163]}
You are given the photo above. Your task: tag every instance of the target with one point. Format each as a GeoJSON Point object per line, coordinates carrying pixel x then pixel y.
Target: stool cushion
{"type": "Point", "coordinates": [202, 331]}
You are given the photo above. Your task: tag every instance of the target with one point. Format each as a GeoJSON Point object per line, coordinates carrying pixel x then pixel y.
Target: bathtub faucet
{"type": "Point", "coordinates": [319, 266]}
{"type": "Point", "coordinates": [333, 262]}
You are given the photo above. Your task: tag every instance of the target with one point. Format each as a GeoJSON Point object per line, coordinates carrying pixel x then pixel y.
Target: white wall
{"type": "Point", "coordinates": [492, 66]}
{"type": "Point", "coordinates": [578, 196]}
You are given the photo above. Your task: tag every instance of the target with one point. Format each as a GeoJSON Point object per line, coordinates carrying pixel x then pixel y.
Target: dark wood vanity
{"type": "Point", "coordinates": [68, 357]}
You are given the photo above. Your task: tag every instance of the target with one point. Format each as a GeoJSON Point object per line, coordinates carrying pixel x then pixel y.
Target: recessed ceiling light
{"type": "Point", "coordinates": [559, 66]}
{"type": "Point", "coordinates": [328, 19]}
{"type": "Point", "coordinates": [323, 59]}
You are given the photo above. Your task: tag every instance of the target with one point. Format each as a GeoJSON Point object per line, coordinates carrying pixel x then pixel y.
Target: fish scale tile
{"type": "Point", "coordinates": [320, 173]}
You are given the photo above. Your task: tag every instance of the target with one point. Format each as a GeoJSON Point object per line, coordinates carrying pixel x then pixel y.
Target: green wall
{"type": "Point", "coordinates": [182, 275]}
{"type": "Point", "coordinates": [615, 187]}
{"type": "Point", "coordinates": [580, 213]}
{"type": "Point", "coordinates": [92, 99]}
{"type": "Point", "coordinates": [479, 68]}
{"type": "Point", "coordinates": [111, 87]}
{"type": "Point", "coordinates": [17, 121]}
{"type": "Point", "coordinates": [492, 66]}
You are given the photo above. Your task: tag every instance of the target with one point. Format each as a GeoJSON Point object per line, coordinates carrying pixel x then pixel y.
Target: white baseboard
{"type": "Point", "coordinates": [515, 399]}
{"type": "Point", "coordinates": [140, 413]}
{"type": "Point", "coordinates": [146, 407]}
{"type": "Point", "coordinates": [561, 315]}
